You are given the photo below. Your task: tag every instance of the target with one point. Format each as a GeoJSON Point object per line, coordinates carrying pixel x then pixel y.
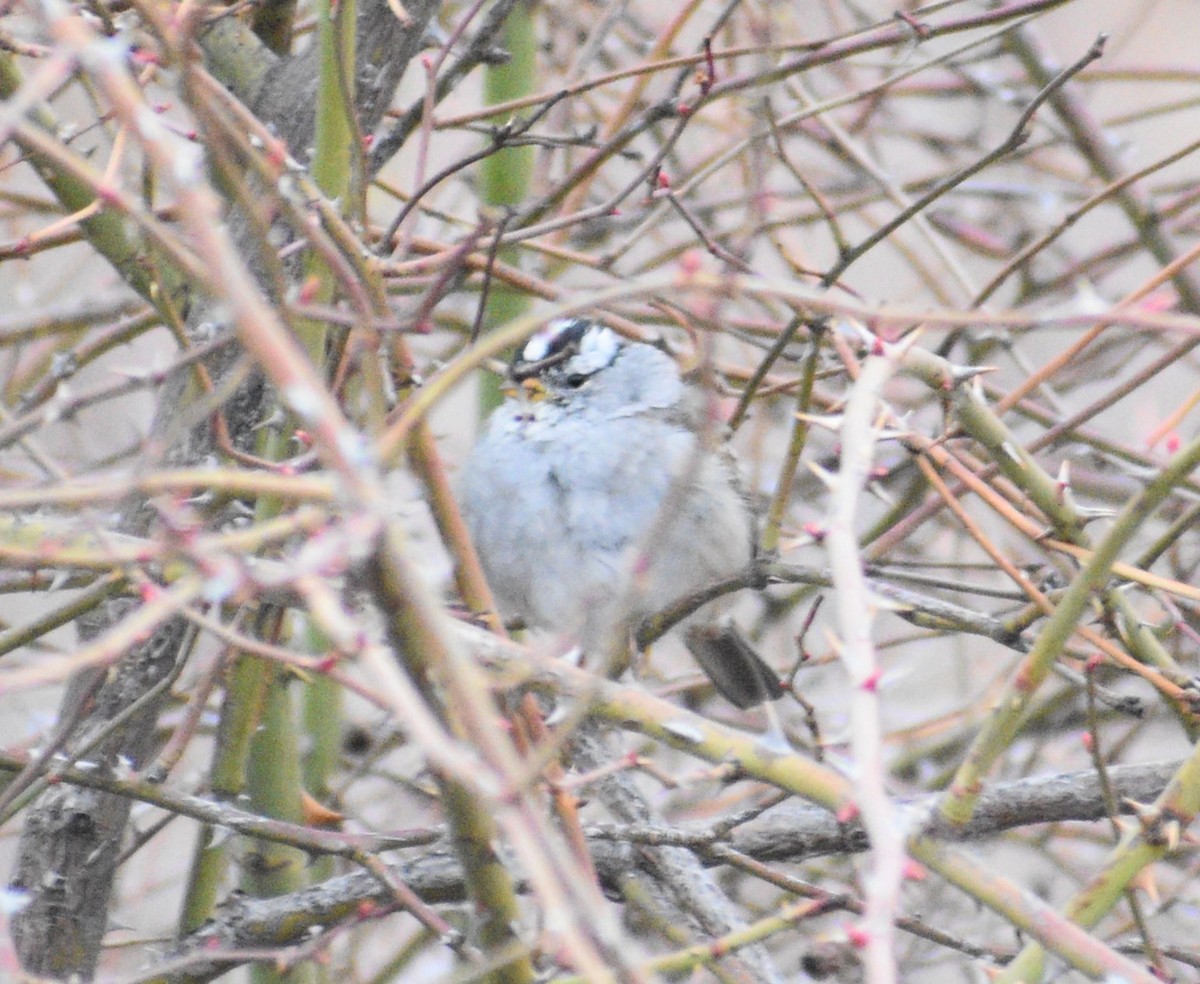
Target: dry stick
{"type": "Point", "coordinates": [1173, 690]}
{"type": "Point", "coordinates": [1088, 136]}
{"type": "Point", "coordinates": [38, 416]}
{"type": "Point", "coordinates": [825, 106]}
{"type": "Point", "coordinates": [533, 736]}
{"type": "Point", "coordinates": [140, 118]}
{"type": "Point", "coordinates": [479, 51]}
{"type": "Point", "coordinates": [1145, 220]}
{"type": "Point", "coordinates": [485, 288]}
{"type": "Point", "coordinates": [85, 601]}
{"type": "Point", "coordinates": [824, 207]}
{"type": "Point", "coordinates": [781, 499]}
{"type": "Point", "coordinates": [36, 141]}
{"type": "Point", "coordinates": [182, 481]}
{"type": "Point", "coordinates": [426, 460]}
{"type": "Point", "coordinates": [41, 546]}
{"type": "Point", "coordinates": [35, 777]}
{"type": "Point", "coordinates": [1042, 603]}
{"type": "Point", "coordinates": [789, 834]}
{"type": "Point", "coordinates": [710, 244]}
{"type": "Point", "coordinates": [500, 138]}
{"type": "Point", "coordinates": [330, 237]}
{"type": "Point", "coordinates": [1173, 419]}
{"type": "Point", "coordinates": [652, 117]}
{"type": "Point", "coordinates": [970, 479]}
{"type": "Point", "coordinates": [1001, 729]}
{"type": "Point", "coordinates": [917, 609]}
{"type": "Point", "coordinates": [35, 91]}
{"type": "Point", "coordinates": [181, 737]}
{"type": "Point", "coordinates": [530, 730]}
{"type": "Point", "coordinates": [698, 736]}
{"type": "Point", "coordinates": [157, 610]}
{"type": "Point", "coordinates": [933, 504]}
{"type": "Point", "coordinates": [1157, 833]}
{"type": "Point", "coordinates": [407, 899]}
{"type": "Point", "coordinates": [279, 355]}
{"type": "Point", "coordinates": [710, 953]}
{"type": "Point", "coordinates": [1030, 250]}
{"type": "Point", "coordinates": [843, 902]}
{"type": "Point", "coordinates": [323, 665]}
{"type": "Point", "coordinates": [813, 53]}
{"type": "Point", "coordinates": [1103, 257]}
{"type": "Point", "coordinates": [1052, 498]}
{"type": "Point", "coordinates": [394, 438]}
{"type": "Point", "coordinates": [686, 890]}
{"type": "Point", "coordinates": [96, 344]}
{"type": "Point", "coordinates": [576, 191]}
{"type": "Point", "coordinates": [1100, 765]}
{"type": "Point", "coordinates": [34, 766]}
{"type": "Point", "coordinates": [206, 810]}
{"type": "Point", "coordinates": [756, 378]}
{"type": "Point", "coordinates": [1031, 914]}
{"type": "Point", "coordinates": [1014, 573]}
{"type": "Point", "coordinates": [1064, 358]}
{"type": "Point", "coordinates": [951, 268]}
{"type": "Point", "coordinates": [1015, 139]}
{"type": "Point", "coordinates": [432, 68]}
{"type": "Point", "coordinates": [855, 616]}
{"type": "Point", "coordinates": [68, 317]}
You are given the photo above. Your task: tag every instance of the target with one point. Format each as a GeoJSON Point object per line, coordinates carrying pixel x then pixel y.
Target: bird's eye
{"type": "Point", "coordinates": [576, 379]}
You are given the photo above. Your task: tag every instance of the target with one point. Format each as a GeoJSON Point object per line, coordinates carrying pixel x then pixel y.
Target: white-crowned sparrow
{"type": "Point", "coordinates": [595, 497]}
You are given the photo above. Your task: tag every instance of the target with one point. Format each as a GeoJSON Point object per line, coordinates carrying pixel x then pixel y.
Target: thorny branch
{"type": "Point", "coordinates": [262, 665]}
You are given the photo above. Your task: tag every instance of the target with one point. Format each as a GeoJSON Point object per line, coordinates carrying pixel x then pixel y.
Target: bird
{"type": "Point", "coordinates": [598, 494]}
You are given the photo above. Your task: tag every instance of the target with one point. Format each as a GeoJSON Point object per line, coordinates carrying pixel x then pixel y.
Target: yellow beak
{"type": "Point", "coordinates": [534, 389]}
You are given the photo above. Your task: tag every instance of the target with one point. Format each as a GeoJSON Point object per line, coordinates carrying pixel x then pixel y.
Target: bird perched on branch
{"type": "Point", "coordinates": [598, 495]}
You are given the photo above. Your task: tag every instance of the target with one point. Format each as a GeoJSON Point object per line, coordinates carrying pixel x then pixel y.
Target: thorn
{"type": "Point", "coordinates": [858, 937]}
{"type": "Point", "coordinates": [275, 418]}
{"type": "Point", "coordinates": [1063, 489]}
{"type": "Point", "coordinates": [832, 422]}
{"type": "Point", "coordinates": [1089, 513]}
{"type": "Point", "coordinates": [963, 374]}
{"type": "Point", "coordinates": [1012, 452]}
{"type": "Point", "coordinates": [828, 479]}
{"type": "Point", "coordinates": [881, 493]}
{"type": "Point", "coordinates": [816, 531]}
{"type": "Point", "coordinates": [1149, 818]}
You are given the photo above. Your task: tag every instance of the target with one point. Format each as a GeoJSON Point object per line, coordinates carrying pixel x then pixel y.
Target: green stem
{"type": "Point", "coordinates": [506, 176]}
{"type": "Point", "coordinates": [1003, 726]}
{"type": "Point", "coordinates": [116, 239]}
{"type": "Point", "coordinates": [274, 785]}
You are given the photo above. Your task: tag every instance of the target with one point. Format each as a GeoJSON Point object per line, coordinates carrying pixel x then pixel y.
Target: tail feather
{"type": "Point", "coordinates": [736, 670]}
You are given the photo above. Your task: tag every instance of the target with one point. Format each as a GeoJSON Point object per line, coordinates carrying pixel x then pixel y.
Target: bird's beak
{"type": "Point", "coordinates": [533, 389]}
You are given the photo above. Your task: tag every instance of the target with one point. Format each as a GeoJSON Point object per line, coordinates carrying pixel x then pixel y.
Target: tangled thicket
{"type": "Point", "coordinates": [936, 268]}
